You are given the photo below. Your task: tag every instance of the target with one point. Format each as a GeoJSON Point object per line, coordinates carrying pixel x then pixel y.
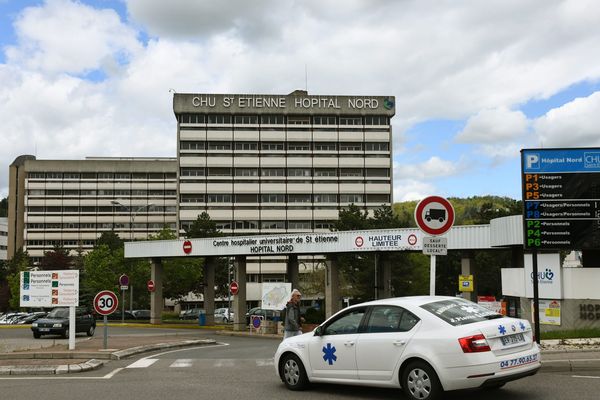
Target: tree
{"type": "Point", "coordinates": [4, 207]}
{"type": "Point", "coordinates": [20, 262]}
{"type": "Point", "coordinates": [56, 259]}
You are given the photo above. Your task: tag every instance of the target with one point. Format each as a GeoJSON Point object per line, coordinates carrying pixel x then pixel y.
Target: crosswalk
{"type": "Point", "coordinates": [212, 363]}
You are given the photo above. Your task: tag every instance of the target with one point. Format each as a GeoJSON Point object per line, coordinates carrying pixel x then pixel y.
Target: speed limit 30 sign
{"type": "Point", "coordinates": [106, 302]}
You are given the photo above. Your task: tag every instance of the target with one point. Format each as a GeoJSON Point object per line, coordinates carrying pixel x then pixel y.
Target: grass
{"type": "Point", "coordinates": [572, 334]}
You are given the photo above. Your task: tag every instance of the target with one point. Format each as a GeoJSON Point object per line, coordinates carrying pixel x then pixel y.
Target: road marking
{"type": "Point", "coordinates": [182, 363]}
{"type": "Point", "coordinates": [54, 377]}
{"type": "Point", "coordinates": [267, 362]}
{"type": "Point", "coordinates": [142, 363]}
{"type": "Point", "coordinates": [224, 363]}
{"type": "Point", "coordinates": [585, 376]}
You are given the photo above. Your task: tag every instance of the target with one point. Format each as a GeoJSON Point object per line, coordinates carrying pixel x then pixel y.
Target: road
{"type": "Point", "coordinates": [243, 368]}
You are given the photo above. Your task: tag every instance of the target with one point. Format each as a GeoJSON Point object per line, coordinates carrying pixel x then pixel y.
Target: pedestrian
{"type": "Point", "coordinates": [292, 323]}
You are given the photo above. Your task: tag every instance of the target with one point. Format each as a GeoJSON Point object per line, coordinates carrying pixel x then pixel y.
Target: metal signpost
{"type": "Point", "coordinates": [124, 282]}
{"type": "Point", "coordinates": [105, 303]}
{"type": "Point", "coordinates": [434, 215]}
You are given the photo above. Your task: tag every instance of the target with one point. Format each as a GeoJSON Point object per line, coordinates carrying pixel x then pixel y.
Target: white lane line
{"type": "Point", "coordinates": [182, 363]}
{"type": "Point", "coordinates": [224, 363]}
{"type": "Point", "coordinates": [267, 362]}
{"type": "Point", "coordinates": [585, 376]}
{"type": "Point", "coordinates": [143, 363]}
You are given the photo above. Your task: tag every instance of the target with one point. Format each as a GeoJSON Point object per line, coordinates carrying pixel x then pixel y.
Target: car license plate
{"type": "Point", "coordinates": [517, 362]}
{"type": "Point", "coordinates": [44, 329]}
{"type": "Point", "coordinates": [512, 339]}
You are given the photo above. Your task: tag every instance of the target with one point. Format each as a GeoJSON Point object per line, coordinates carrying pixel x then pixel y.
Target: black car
{"type": "Point", "coordinates": [57, 323]}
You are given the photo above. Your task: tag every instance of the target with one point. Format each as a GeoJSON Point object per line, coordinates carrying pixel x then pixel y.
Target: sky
{"type": "Point", "coordinates": [475, 81]}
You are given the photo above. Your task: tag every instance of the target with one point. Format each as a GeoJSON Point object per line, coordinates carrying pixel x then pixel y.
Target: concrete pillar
{"type": "Point", "coordinates": [239, 300]}
{"type": "Point", "coordinates": [332, 289]}
{"type": "Point", "coordinates": [292, 270]}
{"type": "Point", "coordinates": [465, 269]}
{"type": "Point", "coordinates": [156, 297]}
{"type": "Point", "coordinates": [209, 289]}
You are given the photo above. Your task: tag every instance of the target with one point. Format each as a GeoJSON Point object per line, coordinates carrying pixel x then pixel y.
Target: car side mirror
{"type": "Point", "coordinates": [319, 330]}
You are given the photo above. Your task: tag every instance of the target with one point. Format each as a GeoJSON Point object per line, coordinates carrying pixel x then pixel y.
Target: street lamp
{"type": "Point", "coordinates": [131, 215]}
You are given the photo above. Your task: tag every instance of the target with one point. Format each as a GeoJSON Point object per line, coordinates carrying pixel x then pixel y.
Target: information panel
{"type": "Point", "coordinates": [49, 288]}
{"type": "Point", "coordinates": [561, 198]}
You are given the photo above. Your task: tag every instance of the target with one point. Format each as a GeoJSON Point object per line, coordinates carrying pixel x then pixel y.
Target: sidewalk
{"type": "Point", "coordinates": [573, 355]}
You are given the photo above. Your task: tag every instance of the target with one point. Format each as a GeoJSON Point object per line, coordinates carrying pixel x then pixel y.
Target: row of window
{"type": "Point", "coordinates": [281, 146]}
{"type": "Point", "coordinates": [282, 172]}
{"type": "Point", "coordinates": [101, 225]}
{"type": "Point", "coordinates": [284, 198]}
{"type": "Point", "coordinates": [153, 210]}
{"type": "Point", "coordinates": [101, 192]}
{"type": "Point", "coordinates": [279, 225]}
{"type": "Point", "coordinates": [102, 175]}
{"type": "Point", "coordinates": [283, 119]}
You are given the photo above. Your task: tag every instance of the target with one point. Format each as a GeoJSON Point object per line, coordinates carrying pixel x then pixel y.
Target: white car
{"type": "Point", "coordinates": [426, 345]}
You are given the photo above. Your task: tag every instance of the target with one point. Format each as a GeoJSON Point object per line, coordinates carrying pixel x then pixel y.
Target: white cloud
{"type": "Point", "coordinates": [493, 126]}
{"type": "Point", "coordinates": [575, 124]}
{"type": "Point", "coordinates": [410, 190]}
{"type": "Point", "coordinates": [431, 169]}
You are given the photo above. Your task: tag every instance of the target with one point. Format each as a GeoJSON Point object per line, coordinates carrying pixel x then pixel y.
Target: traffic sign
{"type": "Point", "coordinates": [106, 302]}
{"type": "Point", "coordinates": [187, 247]}
{"type": "Point", "coordinates": [151, 286]}
{"type": "Point", "coordinates": [234, 288]}
{"type": "Point", "coordinates": [124, 280]}
{"type": "Point", "coordinates": [435, 246]}
{"type": "Point", "coordinates": [434, 215]}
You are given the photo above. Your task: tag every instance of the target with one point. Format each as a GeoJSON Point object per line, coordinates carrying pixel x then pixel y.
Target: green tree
{"type": "Point", "coordinates": [56, 259]}
{"type": "Point", "coordinates": [4, 207]}
{"type": "Point", "coordinates": [20, 262]}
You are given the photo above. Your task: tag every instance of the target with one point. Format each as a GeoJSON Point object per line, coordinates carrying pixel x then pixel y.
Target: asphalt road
{"type": "Point", "coordinates": [243, 368]}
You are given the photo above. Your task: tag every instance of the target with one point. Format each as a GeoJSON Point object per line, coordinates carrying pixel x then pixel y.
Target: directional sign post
{"type": "Point", "coordinates": [105, 303]}
{"type": "Point", "coordinates": [434, 215]}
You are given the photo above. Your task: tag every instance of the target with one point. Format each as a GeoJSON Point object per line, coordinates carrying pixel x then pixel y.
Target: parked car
{"type": "Point", "coordinates": [266, 314]}
{"type": "Point", "coordinates": [117, 316]}
{"type": "Point", "coordinates": [31, 317]}
{"type": "Point", "coordinates": [192, 313]}
{"type": "Point", "coordinates": [141, 314]}
{"type": "Point", "coordinates": [8, 318]}
{"type": "Point", "coordinates": [223, 315]}
{"type": "Point", "coordinates": [57, 323]}
{"type": "Point", "coordinates": [426, 345]}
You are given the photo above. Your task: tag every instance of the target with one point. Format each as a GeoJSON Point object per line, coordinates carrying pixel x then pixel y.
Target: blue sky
{"type": "Point", "coordinates": [474, 82]}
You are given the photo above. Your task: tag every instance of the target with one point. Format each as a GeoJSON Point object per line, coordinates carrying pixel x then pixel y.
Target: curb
{"type": "Point", "coordinates": [571, 365]}
{"type": "Point", "coordinates": [92, 364]}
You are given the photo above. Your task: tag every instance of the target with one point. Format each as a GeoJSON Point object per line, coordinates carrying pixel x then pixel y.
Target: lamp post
{"type": "Point", "coordinates": [131, 215]}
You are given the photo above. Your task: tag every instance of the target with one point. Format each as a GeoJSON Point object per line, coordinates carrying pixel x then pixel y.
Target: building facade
{"type": "Point", "coordinates": [72, 202]}
{"type": "Point", "coordinates": [281, 163]}
{"type": "Point", "coordinates": [3, 238]}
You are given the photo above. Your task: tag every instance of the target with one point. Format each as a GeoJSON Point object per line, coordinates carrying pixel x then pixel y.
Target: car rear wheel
{"type": "Point", "coordinates": [293, 373]}
{"type": "Point", "coordinates": [91, 330]}
{"type": "Point", "coordinates": [65, 333]}
{"type": "Point", "coordinates": [419, 381]}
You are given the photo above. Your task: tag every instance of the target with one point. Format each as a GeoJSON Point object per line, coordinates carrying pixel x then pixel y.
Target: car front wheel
{"type": "Point", "coordinates": [91, 330]}
{"type": "Point", "coordinates": [419, 381]}
{"type": "Point", "coordinates": [37, 335]}
{"type": "Point", "coordinates": [293, 373]}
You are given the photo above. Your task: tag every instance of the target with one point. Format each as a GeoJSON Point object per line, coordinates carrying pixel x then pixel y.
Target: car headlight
{"type": "Point", "coordinates": [57, 325]}
{"type": "Point", "coordinates": [34, 325]}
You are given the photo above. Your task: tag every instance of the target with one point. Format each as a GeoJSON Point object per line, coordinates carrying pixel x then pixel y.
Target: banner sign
{"type": "Point", "coordinates": [275, 295]}
{"type": "Point", "coordinates": [49, 288]}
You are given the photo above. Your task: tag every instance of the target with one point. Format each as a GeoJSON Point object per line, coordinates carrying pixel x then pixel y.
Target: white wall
{"type": "Point", "coordinates": [577, 283]}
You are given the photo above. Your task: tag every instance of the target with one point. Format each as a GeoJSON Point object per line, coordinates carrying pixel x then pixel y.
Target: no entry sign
{"type": "Point", "coordinates": [187, 247]}
{"type": "Point", "coordinates": [234, 288]}
{"type": "Point", "coordinates": [434, 215]}
{"type": "Point", "coordinates": [151, 286]}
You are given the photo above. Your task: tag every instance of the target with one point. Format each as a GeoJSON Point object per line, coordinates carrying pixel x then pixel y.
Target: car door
{"type": "Point", "coordinates": [333, 353]}
{"type": "Point", "coordinates": [386, 334]}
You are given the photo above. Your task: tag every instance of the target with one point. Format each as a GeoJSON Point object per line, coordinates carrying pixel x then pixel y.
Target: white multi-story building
{"type": "Point", "coordinates": [3, 238]}
{"type": "Point", "coordinates": [72, 202]}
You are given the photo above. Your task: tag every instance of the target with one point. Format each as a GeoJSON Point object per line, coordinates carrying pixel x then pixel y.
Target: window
{"type": "Point", "coordinates": [36, 175]}
{"type": "Point", "coordinates": [219, 119]}
{"type": "Point", "coordinates": [377, 120]}
{"type": "Point", "coordinates": [378, 172]}
{"type": "Point", "coordinates": [272, 172]}
{"type": "Point", "coordinates": [121, 175]}
{"type": "Point", "coordinates": [246, 225]}
{"type": "Point", "coordinates": [223, 225]}
{"type": "Point", "coordinates": [325, 198]}
{"type": "Point", "coordinates": [272, 225]}
{"type": "Point", "coordinates": [325, 146]}
{"type": "Point", "coordinates": [378, 198]}
{"type": "Point", "coordinates": [192, 198]}
{"type": "Point", "coordinates": [323, 120]}
{"type": "Point", "coordinates": [271, 146]}
{"type": "Point", "coordinates": [390, 319]}
{"type": "Point", "coordinates": [298, 146]}
{"type": "Point", "coordinates": [351, 198]}
{"type": "Point", "coordinates": [351, 172]}
{"type": "Point", "coordinates": [219, 145]}
{"type": "Point", "coordinates": [246, 119]}
{"type": "Point", "coordinates": [246, 198]}
{"type": "Point", "coordinates": [299, 198]}
{"type": "Point", "coordinates": [71, 175]}
{"type": "Point", "coordinates": [347, 323]}
{"type": "Point", "coordinates": [53, 175]}
{"type": "Point", "coordinates": [219, 198]}
{"type": "Point", "coordinates": [459, 312]}
{"type": "Point", "coordinates": [191, 146]}
{"type": "Point", "coordinates": [350, 121]}
{"type": "Point", "coordinates": [271, 119]}
{"type": "Point", "coordinates": [377, 146]}
{"type": "Point", "coordinates": [299, 172]}
{"type": "Point", "coordinates": [105, 175]}
{"type": "Point", "coordinates": [298, 120]}
{"type": "Point", "coordinates": [246, 146]}
{"type": "Point", "coordinates": [36, 192]}
{"type": "Point", "coordinates": [191, 119]}
{"type": "Point", "coordinates": [272, 198]}
{"type": "Point", "coordinates": [246, 172]}
{"type": "Point", "coordinates": [192, 171]}
{"type": "Point", "coordinates": [351, 146]}
{"type": "Point", "coordinates": [305, 225]}
{"type": "Point", "coordinates": [219, 172]}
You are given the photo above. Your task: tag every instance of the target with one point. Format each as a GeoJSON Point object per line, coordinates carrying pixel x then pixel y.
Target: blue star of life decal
{"type": "Point", "coordinates": [522, 325]}
{"type": "Point", "coordinates": [329, 354]}
{"type": "Point", "coordinates": [502, 329]}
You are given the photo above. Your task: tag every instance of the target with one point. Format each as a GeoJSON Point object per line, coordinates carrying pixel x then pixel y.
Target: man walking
{"type": "Point", "coordinates": [292, 316]}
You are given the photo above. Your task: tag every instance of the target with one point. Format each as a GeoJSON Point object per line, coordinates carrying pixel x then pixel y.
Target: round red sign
{"type": "Point", "coordinates": [234, 288]}
{"type": "Point", "coordinates": [151, 286]}
{"type": "Point", "coordinates": [359, 241]}
{"type": "Point", "coordinates": [105, 302]}
{"type": "Point", "coordinates": [187, 247]}
{"type": "Point", "coordinates": [434, 215]}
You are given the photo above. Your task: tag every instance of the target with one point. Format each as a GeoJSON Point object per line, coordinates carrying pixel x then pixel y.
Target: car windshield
{"type": "Point", "coordinates": [59, 313]}
{"type": "Point", "coordinates": [460, 312]}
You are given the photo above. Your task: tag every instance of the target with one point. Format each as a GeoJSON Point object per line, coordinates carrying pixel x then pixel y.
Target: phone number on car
{"type": "Point", "coordinates": [516, 362]}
